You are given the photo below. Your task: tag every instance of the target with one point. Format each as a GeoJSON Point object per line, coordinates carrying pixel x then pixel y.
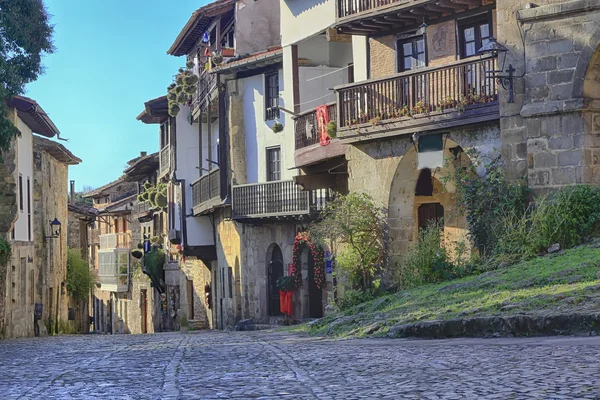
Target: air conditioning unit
{"type": "Point", "coordinates": [174, 236]}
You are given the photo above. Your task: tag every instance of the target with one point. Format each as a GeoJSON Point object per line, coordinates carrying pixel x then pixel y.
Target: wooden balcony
{"type": "Point", "coordinates": [165, 161]}
{"type": "Point", "coordinates": [206, 192]}
{"type": "Point", "coordinates": [113, 269]}
{"type": "Point", "coordinates": [279, 200]}
{"type": "Point", "coordinates": [115, 241]}
{"type": "Point", "coordinates": [144, 207]}
{"type": "Point", "coordinates": [369, 17]}
{"type": "Point", "coordinates": [206, 85]}
{"type": "Point", "coordinates": [458, 94]}
{"type": "Point", "coordinates": [308, 149]}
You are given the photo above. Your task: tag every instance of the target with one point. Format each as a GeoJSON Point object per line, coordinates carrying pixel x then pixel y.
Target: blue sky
{"type": "Point", "coordinates": [110, 58]}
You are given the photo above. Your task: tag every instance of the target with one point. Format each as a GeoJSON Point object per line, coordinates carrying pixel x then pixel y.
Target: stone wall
{"type": "Point", "coordinates": [49, 196]}
{"type": "Point", "coordinates": [8, 214]}
{"type": "Point", "coordinates": [393, 186]}
{"type": "Point", "coordinates": [548, 133]}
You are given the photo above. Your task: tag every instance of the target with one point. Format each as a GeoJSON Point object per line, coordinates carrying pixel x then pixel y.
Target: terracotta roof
{"type": "Point", "coordinates": [113, 206]}
{"type": "Point", "coordinates": [261, 59]}
{"type": "Point", "coordinates": [84, 210]}
{"type": "Point", "coordinates": [155, 111]}
{"type": "Point", "coordinates": [98, 192]}
{"type": "Point", "coordinates": [56, 150]}
{"type": "Point", "coordinates": [32, 114]}
{"type": "Point", "coordinates": [197, 25]}
{"type": "Point", "coordinates": [141, 167]}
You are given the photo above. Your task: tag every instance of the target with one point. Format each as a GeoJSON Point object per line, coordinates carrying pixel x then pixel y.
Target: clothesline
{"type": "Point", "coordinates": [313, 100]}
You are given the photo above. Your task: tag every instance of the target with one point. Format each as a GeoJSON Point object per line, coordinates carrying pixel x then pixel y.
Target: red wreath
{"type": "Point", "coordinates": [302, 240]}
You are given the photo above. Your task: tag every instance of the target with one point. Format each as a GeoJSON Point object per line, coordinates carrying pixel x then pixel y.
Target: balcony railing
{"type": "Point", "coordinates": [418, 93]}
{"type": "Point", "coordinates": [144, 207]}
{"type": "Point", "coordinates": [307, 132]}
{"type": "Point", "coordinates": [206, 188]}
{"type": "Point", "coordinates": [276, 199]}
{"type": "Point", "coordinates": [165, 160]}
{"type": "Point", "coordinates": [113, 269]}
{"type": "Point", "coordinates": [115, 241]}
{"type": "Point", "coordinates": [206, 84]}
{"type": "Point", "coordinates": [352, 7]}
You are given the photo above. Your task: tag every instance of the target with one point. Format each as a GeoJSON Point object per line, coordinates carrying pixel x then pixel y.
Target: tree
{"type": "Point", "coordinates": [79, 199]}
{"type": "Point", "coordinates": [25, 36]}
{"type": "Point", "coordinates": [80, 279]}
{"type": "Point", "coordinates": [354, 222]}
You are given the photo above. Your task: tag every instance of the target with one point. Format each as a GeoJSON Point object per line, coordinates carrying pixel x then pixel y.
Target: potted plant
{"type": "Point", "coordinates": [183, 325]}
{"type": "Point", "coordinates": [285, 283]}
{"type": "Point", "coordinates": [332, 129]}
{"type": "Point", "coordinates": [277, 127]}
{"type": "Point", "coordinates": [227, 52]}
{"type": "Point", "coordinates": [286, 286]}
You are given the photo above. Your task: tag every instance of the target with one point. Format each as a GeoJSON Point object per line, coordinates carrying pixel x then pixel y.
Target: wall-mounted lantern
{"type": "Point", "coordinates": [506, 80]}
{"type": "Point", "coordinates": [54, 229]}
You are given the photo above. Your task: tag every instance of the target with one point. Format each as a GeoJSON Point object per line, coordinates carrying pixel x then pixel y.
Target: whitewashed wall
{"type": "Point", "coordinates": [25, 169]}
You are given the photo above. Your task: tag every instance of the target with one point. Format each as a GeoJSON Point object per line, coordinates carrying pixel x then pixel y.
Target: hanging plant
{"type": "Point", "coordinates": [303, 240]}
{"type": "Point", "coordinates": [332, 130]}
{"type": "Point", "coordinates": [173, 109]}
{"type": "Point", "coordinates": [189, 89]}
{"type": "Point", "coordinates": [137, 254]}
{"type": "Point", "coordinates": [189, 64]}
{"type": "Point", "coordinates": [217, 58]}
{"type": "Point", "coordinates": [277, 127]}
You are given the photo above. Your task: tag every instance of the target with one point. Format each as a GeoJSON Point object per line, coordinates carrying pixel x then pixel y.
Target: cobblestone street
{"type": "Point", "coordinates": [242, 365]}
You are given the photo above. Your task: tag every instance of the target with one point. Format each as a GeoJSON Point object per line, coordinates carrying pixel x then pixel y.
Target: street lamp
{"type": "Point", "coordinates": [54, 229]}
{"type": "Point", "coordinates": [494, 48]}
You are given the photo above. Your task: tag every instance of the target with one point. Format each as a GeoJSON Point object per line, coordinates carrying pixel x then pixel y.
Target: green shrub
{"type": "Point", "coordinates": [80, 279]}
{"type": "Point", "coordinates": [286, 283]}
{"type": "Point", "coordinates": [427, 261]}
{"type": "Point", "coordinates": [5, 251]}
{"type": "Point", "coordinates": [567, 217]}
{"type": "Point", "coordinates": [353, 297]}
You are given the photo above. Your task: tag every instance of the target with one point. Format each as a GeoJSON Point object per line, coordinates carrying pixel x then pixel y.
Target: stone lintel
{"type": "Point", "coordinates": [562, 10]}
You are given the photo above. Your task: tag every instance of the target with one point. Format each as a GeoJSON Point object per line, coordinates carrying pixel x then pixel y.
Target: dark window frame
{"type": "Point", "coordinates": [410, 39]}
{"type": "Point", "coordinates": [29, 230]}
{"type": "Point", "coordinates": [20, 192]}
{"type": "Point", "coordinates": [474, 22]}
{"type": "Point", "coordinates": [273, 174]}
{"type": "Point", "coordinates": [272, 96]}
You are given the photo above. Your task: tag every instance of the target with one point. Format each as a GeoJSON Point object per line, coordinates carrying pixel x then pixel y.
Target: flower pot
{"type": "Point", "coordinates": [227, 52]}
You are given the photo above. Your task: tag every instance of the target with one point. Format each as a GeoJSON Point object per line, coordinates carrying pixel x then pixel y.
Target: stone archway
{"type": "Point", "coordinates": [274, 266]}
{"type": "Point", "coordinates": [591, 117]}
{"type": "Point", "coordinates": [406, 201]}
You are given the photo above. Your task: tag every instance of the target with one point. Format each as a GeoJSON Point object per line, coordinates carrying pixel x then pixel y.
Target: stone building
{"type": "Point", "coordinates": [34, 297]}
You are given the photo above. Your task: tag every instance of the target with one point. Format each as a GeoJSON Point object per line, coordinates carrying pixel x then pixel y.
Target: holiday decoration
{"type": "Point", "coordinates": [301, 241]}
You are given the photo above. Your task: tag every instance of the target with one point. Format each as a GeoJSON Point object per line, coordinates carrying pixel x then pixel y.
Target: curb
{"type": "Point", "coordinates": [508, 326]}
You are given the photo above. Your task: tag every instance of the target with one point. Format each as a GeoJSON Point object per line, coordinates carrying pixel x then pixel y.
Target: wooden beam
{"type": "Point", "coordinates": [421, 12]}
{"type": "Point", "coordinates": [449, 4]}
{"type": "Point", "coordinates": [439, 8]}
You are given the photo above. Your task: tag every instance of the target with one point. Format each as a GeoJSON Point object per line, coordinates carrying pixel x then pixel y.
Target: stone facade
{"type": "Point", "coordinates": [550, 133]}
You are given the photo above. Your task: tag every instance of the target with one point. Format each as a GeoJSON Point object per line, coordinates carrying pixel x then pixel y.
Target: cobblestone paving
{"type": "Point", "coordinates": [251, 365]}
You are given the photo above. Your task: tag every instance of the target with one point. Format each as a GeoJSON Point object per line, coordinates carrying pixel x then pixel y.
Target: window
{"type": "Point", "coordinates": [274, 164]}
{"type": "Point", "coordinates": [474, 33]}
{"type": "Point", "coordinates": [29, 209]}
{"type": "Point", "coordinates": [272, 96]}
{"type": "Point", "coordinates": [411, 53]}
{"type": "Point", "coordinates": [21, 193]}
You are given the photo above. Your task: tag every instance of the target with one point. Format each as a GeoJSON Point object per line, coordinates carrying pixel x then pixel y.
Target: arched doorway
{"type": "Point", "coordinates": [312, 296]}
{"type": "Point", "coordinates": [274, 272]}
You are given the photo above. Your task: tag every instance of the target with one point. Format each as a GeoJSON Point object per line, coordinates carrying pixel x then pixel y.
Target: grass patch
{"type": "Point", "coordinates": [563, 283]}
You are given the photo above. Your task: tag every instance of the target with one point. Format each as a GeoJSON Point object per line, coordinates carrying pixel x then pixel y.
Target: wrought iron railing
{"type": "Point", "coordinates": [418, 93]}
{"type": "Point", "coordinates": [206, 188]}
{"type": "Point", "coordinates": [276, 199]}
{"type": "Point", "coordinates": [306, 126]}
{"type": "Point", "coordinates": [165, 160]}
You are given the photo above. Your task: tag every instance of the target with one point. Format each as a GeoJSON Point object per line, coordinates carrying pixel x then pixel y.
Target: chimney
{"type": "Point", "coordinates": [72, 192]}
{"type": "Point", "coordinates": [143, 153]}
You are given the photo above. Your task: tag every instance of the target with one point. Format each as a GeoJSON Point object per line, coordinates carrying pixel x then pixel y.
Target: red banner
{"type": "Point", "coordinates": [322, 122]}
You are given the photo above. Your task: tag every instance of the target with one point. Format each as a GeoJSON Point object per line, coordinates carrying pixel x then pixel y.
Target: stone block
{"type": "Point", "coordinates": [561, 91]}
{"type": "Point", "coordinates": [561, 76]}
{"type": "Point", "coordinates": [539, 178]}
{"type": "Point", "coordinates": [539, 49]}
{"type": "Point", "coordinates": [570, 158]}
{"type": "Point", "coordinates": [560, 46]}
{"type": "Point", "coordinates": [537, 145]}
{"type": "Point", "coordinates": [560, 143]}
{"type": "Point", "coordinates": [536, 79]}
{"type": "Point", "coordinates": [567, 60]}
{"type": "Point", "coordinates": [564, 176]}
{"type": "Point", "coordinates": [544, 160]}
{"type": "Point", "coordinates": [543, 64]}
{"type": "Point", "coordinates": [521, 150]}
